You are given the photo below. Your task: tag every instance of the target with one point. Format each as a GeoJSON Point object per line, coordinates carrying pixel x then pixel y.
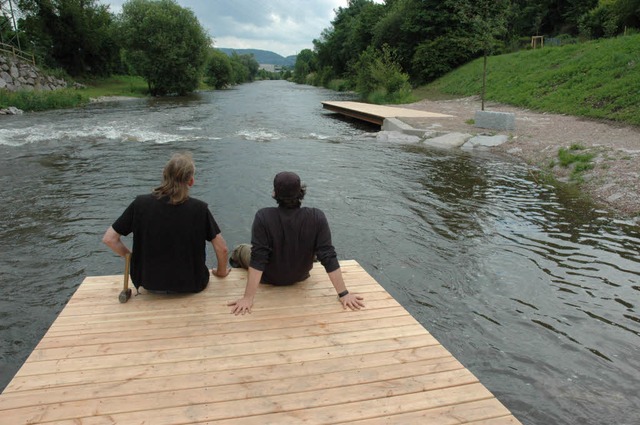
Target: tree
{"type": "Point", "coordinates": [77, 35]}
{"type": "Point", "coordinates": [245, 68]}
{"type": "Point", "coordinates": [428, 35]}
{"type": "Point", "coordinates": [379, 77]}
{"type": "Point", "coordinates": [305, 65]}
{"type": "Point", "coordinates": [218, 72]}
{"type": "Point", "coordinates": [351, 33]}
{"type": "Point", "coordinates": [487, 18]}
{"type": "Point", "coordinates": [165, 44]}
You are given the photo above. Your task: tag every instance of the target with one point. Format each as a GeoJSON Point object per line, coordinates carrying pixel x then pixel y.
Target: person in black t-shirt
{"type": "Point", "coordinates": [170, 230]}
{"type": "Point", "coordinates": [284, 242]}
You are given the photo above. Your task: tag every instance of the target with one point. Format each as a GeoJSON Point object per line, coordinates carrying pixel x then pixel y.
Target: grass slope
{"type": "Point", "coordinates": [597, 79]}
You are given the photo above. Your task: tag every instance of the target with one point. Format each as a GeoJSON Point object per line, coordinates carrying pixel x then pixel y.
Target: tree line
{"type": "Point", "coordinates": [156, 39]}
{"type": "Point", "coordinates": [383, 49]}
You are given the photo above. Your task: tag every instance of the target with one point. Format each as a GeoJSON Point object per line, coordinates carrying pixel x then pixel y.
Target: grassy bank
{"type": "Point", "coordinates": [116, 85]}
{"type": "Point", "coordinates": [69, 98]}
{"type": "Point", "coordinates": [598, 79]}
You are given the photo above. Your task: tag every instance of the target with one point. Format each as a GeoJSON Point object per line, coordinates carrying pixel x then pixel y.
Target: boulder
{"type": "Point", "coordinates": [495, 120]}
{"type": "Point", "coordinates": [447, 141]}
{"type": "Point", "coordinates": [485, 141]}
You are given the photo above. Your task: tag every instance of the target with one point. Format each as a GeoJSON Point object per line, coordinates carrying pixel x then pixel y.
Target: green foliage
{"type": "Point", "coordinates": [244, 68]}
{"type": "Point", "coordinates": [77, 35]}
{"type": "Point", "coordinates": [610, 17]}
{"type": "Point", "coordinates": [351, 34]}
{"type": "Point", "coordinates": [306, 63]}
{"type": "Point", "coordinates": [41, 100]}
{"type": "Point", "coordinates": [165, 44]}
{"type": "Point", "coordinates": [339, 85]}
{"type": "Point", "coordinates": [581, 161]}
{"type": "Point", "coordinates": [218, 72]}
{"type": "Point", "coordinates": [598, 79]}
{"type": "Point", "coordinates": [602, 21]}
{"type": "Point", "coordinates": [116, 85]}
{"type": "Point", "coordinates": [573, 155]}
{"type": "Point", "coordinates": [434, 58]}
{"type": "Point", "coordinates": [379, 78]}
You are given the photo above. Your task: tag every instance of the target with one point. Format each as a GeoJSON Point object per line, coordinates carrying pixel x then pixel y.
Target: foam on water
{"type": "Point", "coordinates": [259, 135]}
{"type": "Point", "coordinates": [15, 137]}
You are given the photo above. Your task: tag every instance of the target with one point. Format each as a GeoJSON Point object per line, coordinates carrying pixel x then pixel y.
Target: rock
{"type": "Point", "coordinates": [11, 110]}
{"type": "Point", "coordinates": [615, 197]}
{"type": "Point", "coordinates": [14, 71]}
{"type": "Point", "coordinates": [447, 141]}
{"type": "Point", "coordinates": [485, 141]}
{"type": "Point", "coordinates": [396, 137]}
{"type": "Point", "coordinates": [17, 75]}
{"type": "Point", "coordinates": [495, 120]}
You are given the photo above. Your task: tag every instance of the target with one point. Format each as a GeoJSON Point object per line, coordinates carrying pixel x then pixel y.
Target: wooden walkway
{"type": "Point", "coordinates": [376, 114]}
{"type": "Point", "coordinates": [298, 358]}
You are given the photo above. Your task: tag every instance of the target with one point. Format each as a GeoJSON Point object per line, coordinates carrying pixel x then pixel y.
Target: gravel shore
{"type": "Point", "coordinates": [613, 182]}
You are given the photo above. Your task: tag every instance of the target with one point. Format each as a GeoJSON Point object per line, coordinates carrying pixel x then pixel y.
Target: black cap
{"type": "Point", "coordinates": [286, 185]}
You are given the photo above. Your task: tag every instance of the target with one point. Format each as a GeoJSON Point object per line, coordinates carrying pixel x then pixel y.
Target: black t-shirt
{"type": "Point", "coordinates": [284, 242]}
{"type": "Point", "coordinates": [169, 243]}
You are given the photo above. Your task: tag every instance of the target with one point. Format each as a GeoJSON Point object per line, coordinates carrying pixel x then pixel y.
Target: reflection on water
{"type": "Point", "coordinates": [534, 291]}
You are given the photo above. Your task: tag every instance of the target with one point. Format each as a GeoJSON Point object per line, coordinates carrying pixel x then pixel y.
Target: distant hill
{"type": "Point", "coordinates": [263, 56]}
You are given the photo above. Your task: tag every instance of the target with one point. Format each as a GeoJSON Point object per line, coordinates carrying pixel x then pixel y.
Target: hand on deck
{"type": "Point", "coordinates": [352, 301]}
{"type": "Point", "coordinates": [241, 306]}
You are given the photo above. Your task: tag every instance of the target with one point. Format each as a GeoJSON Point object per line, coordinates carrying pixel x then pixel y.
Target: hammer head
{"type": "Point", "coordinates": [124, 295]}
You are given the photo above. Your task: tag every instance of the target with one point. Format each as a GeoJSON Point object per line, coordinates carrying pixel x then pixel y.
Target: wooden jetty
{"type": "Point", "coordinates": [298, 358]}
{"type": "Point", "coordinates": [376, 114]}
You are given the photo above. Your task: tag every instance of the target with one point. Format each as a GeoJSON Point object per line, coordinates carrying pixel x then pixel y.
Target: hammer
{"type": "Point", "coordinates": [126, 291]}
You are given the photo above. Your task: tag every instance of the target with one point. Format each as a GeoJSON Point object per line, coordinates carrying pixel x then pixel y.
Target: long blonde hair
{"type": "Point", "coordinates": [176, 177]}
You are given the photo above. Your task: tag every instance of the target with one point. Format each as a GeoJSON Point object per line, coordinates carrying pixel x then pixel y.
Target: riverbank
{"type": "Point", "coordinates": [613, 182]}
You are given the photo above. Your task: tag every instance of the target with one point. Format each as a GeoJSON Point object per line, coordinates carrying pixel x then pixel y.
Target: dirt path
{"type": "Point", "coordinates": [613, 182]}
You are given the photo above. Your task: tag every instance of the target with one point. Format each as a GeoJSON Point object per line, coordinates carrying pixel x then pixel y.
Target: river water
{"type": "Point", "coordinates": [534, 291]}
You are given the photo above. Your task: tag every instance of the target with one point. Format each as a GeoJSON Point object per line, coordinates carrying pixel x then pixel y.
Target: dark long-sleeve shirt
{"type": "Point", "coordinates": [285, 241]}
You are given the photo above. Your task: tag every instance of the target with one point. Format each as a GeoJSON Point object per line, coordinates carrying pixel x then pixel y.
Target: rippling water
{"type": "Point", "coordinates": [534, 291]}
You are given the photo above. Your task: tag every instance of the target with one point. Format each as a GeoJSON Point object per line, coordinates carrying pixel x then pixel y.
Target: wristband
{"type": "Point", "coordinates": [343, 293]}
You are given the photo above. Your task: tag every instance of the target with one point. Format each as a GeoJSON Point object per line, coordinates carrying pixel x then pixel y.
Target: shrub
{"type": "Point", "coordinates": [41, 100]}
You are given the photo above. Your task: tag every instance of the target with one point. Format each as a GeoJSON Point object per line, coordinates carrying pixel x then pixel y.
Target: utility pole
{"type": "Point", "coordinates": [8, 26]}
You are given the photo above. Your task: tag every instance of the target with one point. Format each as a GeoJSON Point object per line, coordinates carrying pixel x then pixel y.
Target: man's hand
{"type": "Point", "coordinates": [352, 301]}
{"type": "Point", "coordinates": [241, 306]}
{"type": "Point", "coordinates": [221, 273]}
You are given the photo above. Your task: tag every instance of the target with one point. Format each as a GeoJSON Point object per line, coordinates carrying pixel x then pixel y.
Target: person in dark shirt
{"type": "Point", "coordinates": [170, 231]}
{"type": "Point", "coordinates": [284, 242]}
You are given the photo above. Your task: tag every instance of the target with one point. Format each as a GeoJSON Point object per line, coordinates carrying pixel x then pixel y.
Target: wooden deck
{"type": "Point", "coordinates": [376, 114]}
{"type": "Point", "coordinates": [298, 358]}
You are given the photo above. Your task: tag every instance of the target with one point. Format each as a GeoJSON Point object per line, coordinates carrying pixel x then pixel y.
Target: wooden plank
{"type": "Point", "coordinates": [376, 114]}
{"type": "Point", "coordinates": [298, 358]}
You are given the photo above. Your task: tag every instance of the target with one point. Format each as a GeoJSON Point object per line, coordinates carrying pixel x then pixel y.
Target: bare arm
{"type": "Point", "coordinates": [222, 253]}
{"type": "Point", "coordinates": [244, 304]}
{"type": "Point", "coordinates": [111, 238]}
{"type": "Point", "coordinates": [353, 301]}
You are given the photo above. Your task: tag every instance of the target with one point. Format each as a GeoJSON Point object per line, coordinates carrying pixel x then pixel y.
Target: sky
{"type": "Point", "coordinates": [282, 26]}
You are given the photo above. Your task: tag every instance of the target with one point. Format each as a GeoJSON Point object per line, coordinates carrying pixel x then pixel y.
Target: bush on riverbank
{"type": "Point", "coordinates": [598, 79]}
{"type": "Point", "coordinates": [34, 100]}
{"type": "Point", "coordinates": [41, 100]}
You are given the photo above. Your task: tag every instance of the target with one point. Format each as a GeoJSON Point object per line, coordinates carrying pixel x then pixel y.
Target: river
{"type": "Point", "coordinates": [533, 290]}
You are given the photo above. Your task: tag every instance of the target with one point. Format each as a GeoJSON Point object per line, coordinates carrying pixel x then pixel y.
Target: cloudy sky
{"type": "Point", "coordinates": [282, 26]}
